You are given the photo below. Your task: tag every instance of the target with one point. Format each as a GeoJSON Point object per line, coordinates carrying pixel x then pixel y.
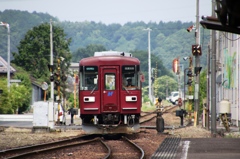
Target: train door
{"type": "Point", "coordinates": [109, 88]}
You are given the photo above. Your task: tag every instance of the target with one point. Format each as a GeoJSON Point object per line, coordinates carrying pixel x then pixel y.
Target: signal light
{"type": "Point", "coordinates": [52, 78]}
{"type": "Point", "coordinates": [189, 82]}
{"type": "Point", "coordinates": [196, 50]}
{"type": "Point", "coordinates": [64, 78]}
{"type": "Point", "coordinates": [51, 68]}
{"type": "Point", "coordinates": [189, 73]}
{"type": "Point", "coordinates": [57, 83]}
{"type": "Point", "coordinates": [197, 70]}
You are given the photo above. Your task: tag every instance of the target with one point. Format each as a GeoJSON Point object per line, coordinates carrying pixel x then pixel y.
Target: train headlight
{"type": "Point", "coordinates": [131, 98]}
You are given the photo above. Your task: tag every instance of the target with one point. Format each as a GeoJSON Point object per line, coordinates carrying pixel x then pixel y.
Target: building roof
{"type": "Point", "coordinates": [3, 66]}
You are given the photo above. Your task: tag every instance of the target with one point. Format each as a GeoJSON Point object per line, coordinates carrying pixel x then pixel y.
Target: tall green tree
{"type": "Point", "coordinates": [17, 100]}
{"type": "Point", "coordinates": [19, 96]}
{"type": "Point", "coordinates": [5, 103]}
{"type": "Point", "coordinates": [156, 63]}
{"type": "Point", "coordinates": [87, 52]}
{"type": "Point", "coordinates": [26, 91]}
{"type": "Point", "coordinates": [164, 84]}
{"type": "Point", "coordinates": [34, 50]}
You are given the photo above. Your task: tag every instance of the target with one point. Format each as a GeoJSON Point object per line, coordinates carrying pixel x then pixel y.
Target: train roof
{"type": "Point", "coordinates": [112, 53]}
{"type": "Point", "coordinates": [110, 58]}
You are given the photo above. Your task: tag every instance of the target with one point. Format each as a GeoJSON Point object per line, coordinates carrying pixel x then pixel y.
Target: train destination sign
{"type": "Point", "coordinates": [91, 68]}
{"type": "Point", "coordinates": [128, 68]}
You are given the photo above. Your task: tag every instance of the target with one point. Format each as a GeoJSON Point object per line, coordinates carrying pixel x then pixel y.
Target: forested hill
{"type": "Point", "coordinates": [168, 39]}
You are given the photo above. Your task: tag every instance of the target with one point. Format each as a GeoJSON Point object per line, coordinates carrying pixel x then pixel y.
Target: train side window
{"type": "Point", "coordinates": [110, 81]}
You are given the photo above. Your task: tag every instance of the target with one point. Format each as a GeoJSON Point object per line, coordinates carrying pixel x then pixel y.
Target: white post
{"type": "Point", "coordinates": [197, 64]}
{"type": "Point", "coordinates": [51, 60]}
{"type": "Point", "coordinates": [237, 75]}
{"type": "Point", "coordinates": [52, 107]}
{"type": "Point", "coordinates": [149, 66]}
{"type": "Point", "coordinates": [8, 66]}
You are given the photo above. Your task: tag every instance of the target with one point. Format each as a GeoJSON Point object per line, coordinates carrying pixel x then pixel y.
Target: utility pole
{"type": "Point", "coordinates": [51, 61]}
{"type": "Point", "coordinates": [155, 77]}
{"type": "Point", "coordinates": [208, 86]}
{"type": "Point", "coordinates": [149, 66]}
{"type": "Point", "coordinates": [8, 66]}
{"type": "Point", "coordinates": [213, 77]}
{"type": "Point", "coordinates": [197, 65]}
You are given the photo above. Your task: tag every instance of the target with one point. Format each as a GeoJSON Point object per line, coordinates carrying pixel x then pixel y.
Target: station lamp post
{"type": "Point", "coordinates": [8, 61]}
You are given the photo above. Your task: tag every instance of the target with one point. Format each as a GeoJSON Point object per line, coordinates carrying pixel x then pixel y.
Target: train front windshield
{"type": "Point", "coordinates": [89, 78]}
{"type": "Point", "coordinates": [130, 77]}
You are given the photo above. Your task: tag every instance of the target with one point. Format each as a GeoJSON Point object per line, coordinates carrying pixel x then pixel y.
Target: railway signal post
{"type": "Point", "coordinates": [159, 119]}
{"type": "Point", "coordinates": [190, 91]}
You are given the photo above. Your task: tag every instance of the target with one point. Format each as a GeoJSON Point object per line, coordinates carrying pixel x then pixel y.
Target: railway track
{"type": "Point", "coordinates": [151, 115]}
{"type": "Point", "coordinates": [125, 149]}
{"type": "Point", "coordinates": [79, 147]}
{"type": "Point", "coordinates": [15, 152]}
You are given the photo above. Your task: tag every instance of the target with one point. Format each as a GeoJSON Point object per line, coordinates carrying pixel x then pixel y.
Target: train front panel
{"type": "Point", "coordinates": [107, 103]}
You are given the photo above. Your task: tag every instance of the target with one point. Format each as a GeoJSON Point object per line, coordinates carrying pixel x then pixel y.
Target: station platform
{"type": "Point", "coordinates": [209, 148]}
{"type": "Point", "coordinates": [219, 147]}
{"type": "Point", "coordinates": [198, 148]}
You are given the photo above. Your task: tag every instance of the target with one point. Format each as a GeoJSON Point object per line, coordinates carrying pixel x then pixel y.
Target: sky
{"type": "Point", "coordinates": [112, 11]}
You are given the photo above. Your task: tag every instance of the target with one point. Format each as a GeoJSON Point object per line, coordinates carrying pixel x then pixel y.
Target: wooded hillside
{"type": "Point", "coordinates": [168, 40]}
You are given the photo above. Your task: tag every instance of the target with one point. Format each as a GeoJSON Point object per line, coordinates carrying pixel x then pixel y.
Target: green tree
{"type": "Point", "coordinates": [5, 103]}
{"type": "Point", "coordinates": [18, 96]}
{"type": "Point", "coordinates": [203, 88]}
{"type": "Point", "coordinates": [26, 83]}
{"type": "Point", "coordinates": [34, 50]}
{"type": "Point", "coordinates": [164, 84]}
{"type": "Point", "coordinates": [155, 62]}
{"type": "Point", "coordinates": [87, 52]}
{"type": "Point", "coordinates": [14, 100]}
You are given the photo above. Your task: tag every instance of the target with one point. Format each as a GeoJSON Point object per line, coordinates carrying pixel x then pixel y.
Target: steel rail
{"type": "Point", "coordinates": [24, 149]}
{"type": "Point", "coordinates": [27, 154]}
{"type": "Point", "coordinates": [135, 145]}
{"type": "Point", "coordinates": [107, 147]}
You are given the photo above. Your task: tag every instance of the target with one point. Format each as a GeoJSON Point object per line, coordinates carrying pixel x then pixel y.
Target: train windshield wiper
{"type": "Point", "coordinates": [93, 89]}
{"type": "Point", "coordinates": [126, 89]}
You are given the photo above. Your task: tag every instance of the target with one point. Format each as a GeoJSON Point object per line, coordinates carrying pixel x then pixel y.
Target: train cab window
{"type": "Point", "coordinates": [130, 78]}
{"type": "Point", "coordinates": [109, 81]}
{"type": "Point", "coordinates": [89, 78]}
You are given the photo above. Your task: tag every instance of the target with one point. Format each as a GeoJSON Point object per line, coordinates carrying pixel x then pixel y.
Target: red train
{"type": "Point", "coordinates": [110, 93]}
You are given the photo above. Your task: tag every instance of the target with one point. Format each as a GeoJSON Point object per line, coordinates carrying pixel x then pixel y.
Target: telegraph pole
{"type": "Point", "coordinates": [213, 77]}
{"type": "Point", "coordinates": [149, 66]}
{"type": "Point", "coordinates": [197, 65]}
{"type": "Point", "coordinates": [51, 61]}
